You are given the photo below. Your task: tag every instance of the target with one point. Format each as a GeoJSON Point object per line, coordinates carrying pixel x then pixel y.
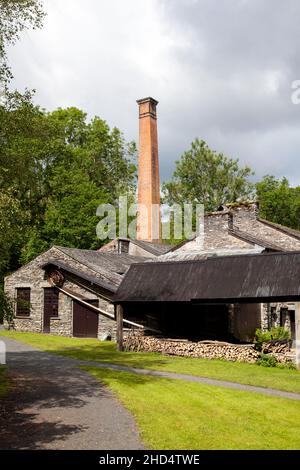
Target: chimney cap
{"type": "Point", "coordinates": [146, 100]}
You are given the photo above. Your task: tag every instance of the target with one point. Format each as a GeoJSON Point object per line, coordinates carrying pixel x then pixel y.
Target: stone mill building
{"type": "Point", "coordinates": [71, 292]}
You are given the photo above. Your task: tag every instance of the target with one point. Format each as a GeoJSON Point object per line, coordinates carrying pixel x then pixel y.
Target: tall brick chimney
{"type": "Point", "coordinates": [148, 219]}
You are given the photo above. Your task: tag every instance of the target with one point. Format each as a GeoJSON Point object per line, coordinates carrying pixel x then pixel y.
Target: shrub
{"type": "Point", "coordinates": [275, 334]}
{"type": "Point", "coordinates": [287, 365]}
{"type": "Point", "coordinates": [267, 361]}
{"type": "Point", "coordinates": [6, 309]}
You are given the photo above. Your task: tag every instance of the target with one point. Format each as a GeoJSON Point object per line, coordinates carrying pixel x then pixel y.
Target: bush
{"type": "Point", "coordinates": [267, 361]}
{"type": "Point", "coordinates": [287, 365]}
{"type": "Point", "coordinates": [275, 334]}
{"type": "Point", "coordinates": [6, 309]}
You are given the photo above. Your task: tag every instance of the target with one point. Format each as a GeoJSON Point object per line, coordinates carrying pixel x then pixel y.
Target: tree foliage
{"type": "Point", "coordinates": [55, 169]}
{"type": "Point", "coordinates": [279, 202]}
{"type": "Point", "coordinates": [15, 17]}
{"type": "Point", "coordinates": [206, 177]}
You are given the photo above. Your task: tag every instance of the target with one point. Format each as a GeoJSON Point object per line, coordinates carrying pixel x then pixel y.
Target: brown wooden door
{"type": "Point", "coordinates": [85, 320]}
{"type": "Point", "coordinates": [50, 307]}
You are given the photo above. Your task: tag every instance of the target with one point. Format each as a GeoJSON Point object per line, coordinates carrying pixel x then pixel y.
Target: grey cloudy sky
{"type": "Point", "coordinates": [221, 69]}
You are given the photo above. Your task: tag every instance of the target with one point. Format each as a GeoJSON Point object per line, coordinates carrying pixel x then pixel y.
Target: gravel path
{"type": "Point", "coordinates": [55, 405]}
{"type": "Point", "coordinates": [203, 380]}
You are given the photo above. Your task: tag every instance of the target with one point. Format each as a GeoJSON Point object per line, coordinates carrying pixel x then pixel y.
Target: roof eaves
{"type": "Point", "coordinates": [93, 280]}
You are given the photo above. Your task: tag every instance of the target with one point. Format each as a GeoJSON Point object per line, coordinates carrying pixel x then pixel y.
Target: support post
{"type": "Point", "coordinates": [297, 334]}
{"type": "Point", "coordinates": [119, 318]}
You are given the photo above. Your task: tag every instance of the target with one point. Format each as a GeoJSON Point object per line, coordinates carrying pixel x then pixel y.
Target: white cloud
{"type": "Point", "coordinates": [222, 71]}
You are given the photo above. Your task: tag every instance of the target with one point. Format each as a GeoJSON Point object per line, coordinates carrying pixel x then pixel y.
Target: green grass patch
{"type": "Point", "coordinates": [4, 382]}
{"type": "Point", "coordinates": [94, 350]}
{"type": "Point", "coordinates": [175, 414]}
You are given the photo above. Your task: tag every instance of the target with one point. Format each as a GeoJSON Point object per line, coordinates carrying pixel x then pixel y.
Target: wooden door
{"type": "Point", "coordinates": [85, 320]}
{"type": "Point", "coordinates": [50, 307]}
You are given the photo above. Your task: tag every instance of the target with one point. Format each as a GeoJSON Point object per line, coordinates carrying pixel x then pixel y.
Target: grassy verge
{"type": "Point", "coordinates": [4, 382]}
{"type": "Point", "coordinates": [183, 415]}
{"type": "Point", "coordinates": [94, 350]}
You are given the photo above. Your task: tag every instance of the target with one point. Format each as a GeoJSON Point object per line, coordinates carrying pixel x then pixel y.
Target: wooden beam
{"type": "Point", "coordinates": [119, 318]}
{"type": "Point", "coordinates": [297, 334]}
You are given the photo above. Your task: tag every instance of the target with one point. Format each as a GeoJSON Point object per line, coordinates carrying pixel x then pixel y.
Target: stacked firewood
{"type": "Point", "coordinates": [276, 347]}
{"type": "Point", "coordinates": [203, 349]}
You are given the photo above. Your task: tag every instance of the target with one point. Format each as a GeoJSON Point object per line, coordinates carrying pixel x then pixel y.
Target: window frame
{"type": "Point", "coordinates": [19, 312]}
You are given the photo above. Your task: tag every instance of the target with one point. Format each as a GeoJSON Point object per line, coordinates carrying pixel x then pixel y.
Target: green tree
{"type": "Point", "coordinates": [58, 167]}
{"type": "Point", "coordinates": [15, 17]}
{"type": "Point", "coordinates": [207, 177]}
{"type": "Point", "coordinates": [279, 202]}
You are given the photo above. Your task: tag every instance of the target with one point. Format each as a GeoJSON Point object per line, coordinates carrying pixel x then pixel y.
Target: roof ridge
{"type": "Point", "coordinates": [214, 258]}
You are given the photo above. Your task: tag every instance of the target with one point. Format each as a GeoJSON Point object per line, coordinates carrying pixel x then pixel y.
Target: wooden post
{"type": "Point", "coordinates": [297, 334]}
{"type": "Point", "coordinates": [119, 315]}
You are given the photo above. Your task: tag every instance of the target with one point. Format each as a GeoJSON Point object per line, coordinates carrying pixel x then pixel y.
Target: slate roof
{"type": "Point", "coordinates": [93, 280]}
{"type": "Point", "coordinates": [156, 249]}
{"type": "Point", "coordinates": [229, 279]}
{"type": "Point", "coordinates": [253, 239]}
{"type": "Point", "coordinates": [109, 266]}
{"type": "Point", "coordinates": [282, 228]}
{"type": "Point", "coordinates": [204, 254]}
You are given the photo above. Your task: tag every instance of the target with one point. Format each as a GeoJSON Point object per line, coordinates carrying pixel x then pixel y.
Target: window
{"type": "Point", "coordinates": [51, 301]}
{"type": "Point", "coordinates": [23, 302]}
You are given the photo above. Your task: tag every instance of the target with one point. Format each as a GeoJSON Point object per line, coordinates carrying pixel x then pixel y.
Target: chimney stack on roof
{"type": "Point", "coordinates": [148, 219]}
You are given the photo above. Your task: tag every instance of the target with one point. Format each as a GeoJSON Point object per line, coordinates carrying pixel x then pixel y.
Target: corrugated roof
{"type": "Point", "coordinates": [258, 277]}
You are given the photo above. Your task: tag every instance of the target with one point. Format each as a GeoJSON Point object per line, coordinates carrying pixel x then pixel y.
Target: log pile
{"type": "Point", "coordinates": [276, 347]}
{"type": "Point", "coordinates": [284, 358]}
{"type": "Point", "coordinates": [203, 349]}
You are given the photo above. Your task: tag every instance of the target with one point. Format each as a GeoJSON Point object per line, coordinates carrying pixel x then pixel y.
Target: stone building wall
{"type": "Point", "coordinates": [32, 275]}
{"type": "Point", "coordinates": [216, 235]}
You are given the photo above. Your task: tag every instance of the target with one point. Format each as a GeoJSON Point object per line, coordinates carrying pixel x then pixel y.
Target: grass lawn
{"type": "Point", "coordinates": [4, 382]}
{"type": "Point", "coordinates": [173, 414]}
{"type": "Point", "coordinates": [94, 350]}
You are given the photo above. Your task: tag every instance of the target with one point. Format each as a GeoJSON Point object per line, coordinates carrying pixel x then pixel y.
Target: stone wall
{"type": "Point", "coordinates": [265, 316]}
{"type": "Point", "coordinates": [216, 235]}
